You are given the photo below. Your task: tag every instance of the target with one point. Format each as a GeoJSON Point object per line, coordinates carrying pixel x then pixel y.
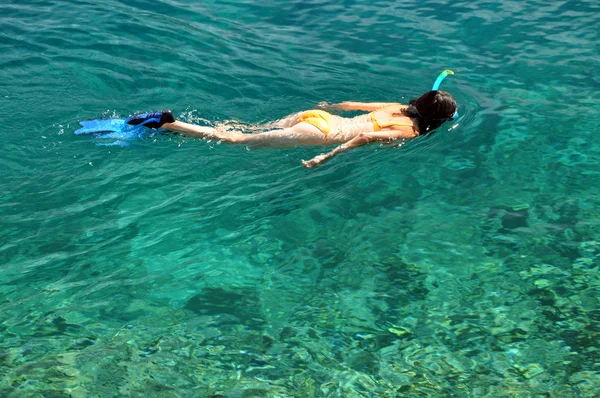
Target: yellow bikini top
{"type": "Point", "coordinates": [378, 126]}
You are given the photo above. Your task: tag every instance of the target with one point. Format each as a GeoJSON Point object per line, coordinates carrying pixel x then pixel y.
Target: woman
{"type": "Point", "coordinates": [384, 122]}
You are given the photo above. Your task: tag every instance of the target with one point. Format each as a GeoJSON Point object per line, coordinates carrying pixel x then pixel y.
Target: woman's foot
{"type": "Point", "coordinates": [153, 120]}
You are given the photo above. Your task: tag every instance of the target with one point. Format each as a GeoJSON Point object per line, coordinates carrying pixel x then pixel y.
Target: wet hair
{"type": "Point", "coordinates": [431, 110]}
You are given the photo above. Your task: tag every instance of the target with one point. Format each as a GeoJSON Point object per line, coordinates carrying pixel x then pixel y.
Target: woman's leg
{"type": "Point", "coordinates": [193, 130]}
{"type": "Point", "coordinates": [298, 134]}
{"type": "Point", "coordinates": [288, 121]}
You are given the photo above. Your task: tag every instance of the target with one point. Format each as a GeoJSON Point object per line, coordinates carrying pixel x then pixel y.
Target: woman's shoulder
{"type": "Point", "coordinates": [393, 105]}
{"type": "Point", "coordinates": [393, 108]}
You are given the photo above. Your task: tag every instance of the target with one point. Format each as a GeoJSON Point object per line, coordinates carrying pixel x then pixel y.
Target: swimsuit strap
{"type": "Point", "coordinates": [378, 127]}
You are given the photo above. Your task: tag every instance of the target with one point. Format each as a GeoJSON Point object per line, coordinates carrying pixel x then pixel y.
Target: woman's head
{"type": "Point", "coordinates": [432, 109]}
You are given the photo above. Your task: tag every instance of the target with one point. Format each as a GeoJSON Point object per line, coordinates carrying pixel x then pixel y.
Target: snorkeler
{"type": "Point", "coordinates": [384, 122]}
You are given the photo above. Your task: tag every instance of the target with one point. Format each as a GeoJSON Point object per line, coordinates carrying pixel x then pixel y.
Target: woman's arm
{"type": "Point", "coordinates": [356, 106]}
{"type": "Point", "coordinates": [359, 140]}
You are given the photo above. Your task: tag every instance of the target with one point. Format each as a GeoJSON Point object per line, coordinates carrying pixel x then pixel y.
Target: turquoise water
{"type": "Point", "coordinates": [464, 264]}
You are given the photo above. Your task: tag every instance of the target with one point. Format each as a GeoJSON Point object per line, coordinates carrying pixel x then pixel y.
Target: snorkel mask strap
{"type": "Point", "coordinates": [437, 83]}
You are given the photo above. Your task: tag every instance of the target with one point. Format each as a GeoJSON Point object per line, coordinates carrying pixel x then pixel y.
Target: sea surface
{"type": "Point", "coordinates": [464, 264]}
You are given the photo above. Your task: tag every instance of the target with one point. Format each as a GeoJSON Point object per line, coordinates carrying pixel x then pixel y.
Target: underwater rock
{"type": "Point", "coordinates": [512, 217]}
{"type": "Point", "coordinates": [243, 304]}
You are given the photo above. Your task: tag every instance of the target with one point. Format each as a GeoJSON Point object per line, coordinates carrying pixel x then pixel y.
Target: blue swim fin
{"type": "Point", "coordinates": [153, 120]}
{"type": "Point", "coordinates": [101, 126]}
{"type": "Point", "coordinates": [123, 132]}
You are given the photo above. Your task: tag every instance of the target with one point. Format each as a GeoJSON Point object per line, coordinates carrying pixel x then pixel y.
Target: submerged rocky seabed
{"type": "Point", "coordinates": [500, 328]}
{"type": "Point", "coordinates": [438, 297]}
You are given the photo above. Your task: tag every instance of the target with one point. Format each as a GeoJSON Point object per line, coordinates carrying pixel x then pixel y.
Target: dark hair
{"type": "Point", "coordinates": [431, 110]}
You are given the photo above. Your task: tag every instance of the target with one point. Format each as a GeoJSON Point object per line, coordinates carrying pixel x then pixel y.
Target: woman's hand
{"type": "Point", "coordinates": [359, 140]}
{"type": "Point", "coordinates": [314, 162]}
{"type": "Point", "coordinates": [324, 105]}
